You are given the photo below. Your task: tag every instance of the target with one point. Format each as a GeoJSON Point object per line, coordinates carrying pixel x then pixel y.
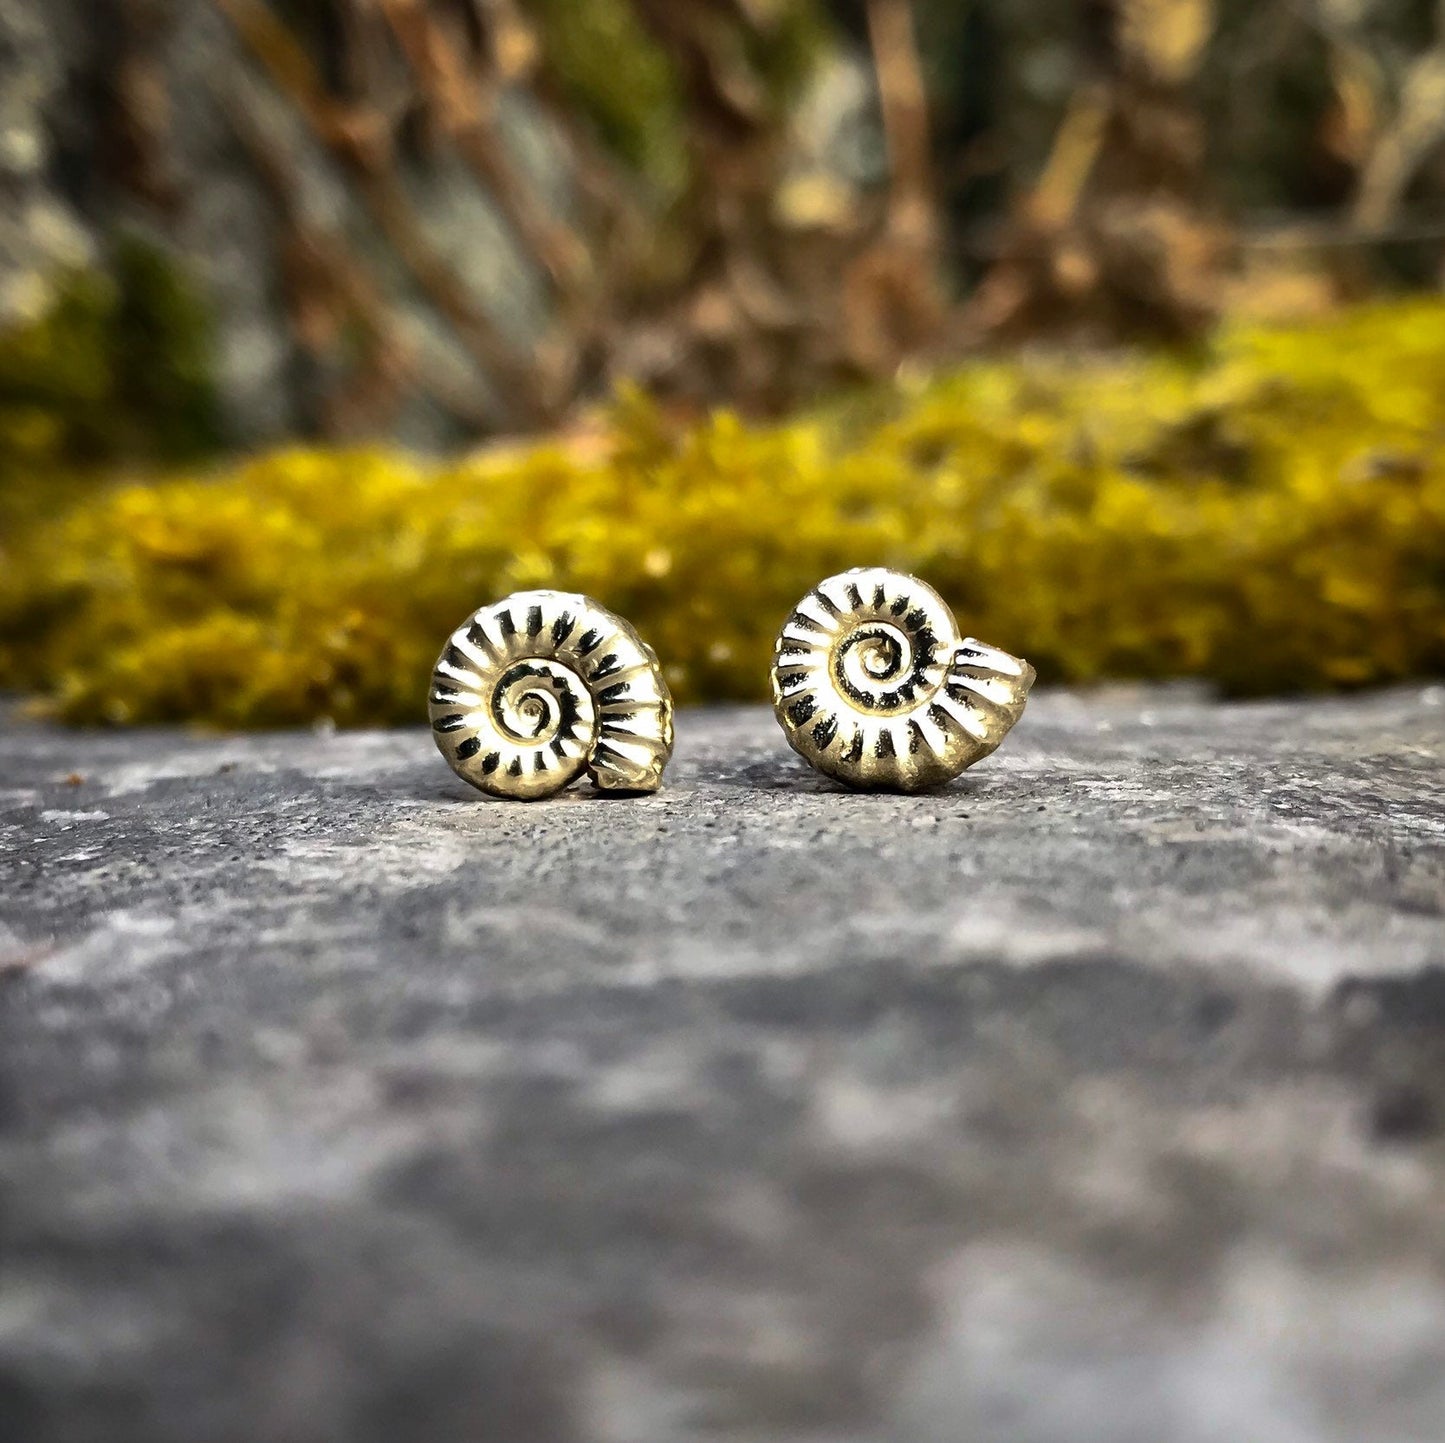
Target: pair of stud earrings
{"type": "Point", "coordinates": [872, 685]}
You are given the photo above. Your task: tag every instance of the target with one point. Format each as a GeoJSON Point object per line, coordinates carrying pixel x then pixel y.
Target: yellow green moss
{"type": "Point", "coordinates": [1269, 515]}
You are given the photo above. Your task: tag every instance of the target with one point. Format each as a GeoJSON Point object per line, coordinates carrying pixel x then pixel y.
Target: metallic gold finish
{"type": "Point", "coordinates": [531, 692]}
{"type": "Point", "coordinates": [873, 685]}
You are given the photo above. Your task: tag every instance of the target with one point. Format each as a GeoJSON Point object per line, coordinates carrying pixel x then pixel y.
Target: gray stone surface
{"type": "Point", "coordinates": [1097, 1099]}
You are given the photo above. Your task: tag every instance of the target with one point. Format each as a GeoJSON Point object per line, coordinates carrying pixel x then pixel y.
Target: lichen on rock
{"type": "Point", "coordinates": [117, 365]}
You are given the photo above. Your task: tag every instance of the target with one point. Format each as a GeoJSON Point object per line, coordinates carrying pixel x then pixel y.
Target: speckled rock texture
{"type": "Point", "coordinates": [1099, 1098]}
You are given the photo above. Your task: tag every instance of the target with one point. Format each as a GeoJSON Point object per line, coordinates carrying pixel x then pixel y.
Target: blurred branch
{"type": "Point", "coordinates": [1072, 157]}
{"type": "Point", "coordinates": [1114, 239]}
{"type": "Point", "coordinates": [684, 204]}
{"type": "Point", "coordinates": [912, 211]}
{"type": "Point", "coordinates": [465, 99]}
{"type": "Point", "coordinates": [1389, 153]}
{"type": "Point", "coordinates": [358, 139]}
{"type": "Point", "coordinates": [330, 293]}
{"type": "Point", "coordinates": [142, 114]}
{"type": "Point", "coordinates": [1417, 128]}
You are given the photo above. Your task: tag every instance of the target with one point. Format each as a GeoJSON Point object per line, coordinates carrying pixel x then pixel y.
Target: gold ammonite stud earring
{"type": "Point", "coordinates": [530, 692]}
{"type": "Point", "coordinates": [874, 686]}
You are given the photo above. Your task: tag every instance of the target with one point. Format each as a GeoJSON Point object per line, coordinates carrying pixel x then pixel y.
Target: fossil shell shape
{"type": "Point", "coordinates": [530, 692]}
{"type": "Point", "coordinates": [874, 686]}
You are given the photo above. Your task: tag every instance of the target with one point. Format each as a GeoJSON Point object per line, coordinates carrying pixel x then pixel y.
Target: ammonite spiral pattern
{"type": "Point", "coordinates": [530, 692]}
{"type": "Point", "coordinates": [873, 685]}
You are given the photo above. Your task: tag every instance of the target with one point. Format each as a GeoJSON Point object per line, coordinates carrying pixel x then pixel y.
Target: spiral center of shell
{"type": "Point", "coordinates": [872, 663]}
{"type": "Point", "coordinates": [879, 658]}
{"type": "Point", "coordinates": [533, 699]}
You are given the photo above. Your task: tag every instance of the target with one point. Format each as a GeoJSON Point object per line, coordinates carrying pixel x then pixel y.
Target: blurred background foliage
{"type": "Point", "coordinates": [1272, 518]}
{"type": "Point", "coordinates": [1137, 245]}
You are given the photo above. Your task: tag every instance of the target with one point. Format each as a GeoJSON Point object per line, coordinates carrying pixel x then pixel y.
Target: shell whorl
{"type": "Point", "coordinates": [530, 692]}
{"type": "Point", "coordinates": [873, 685]}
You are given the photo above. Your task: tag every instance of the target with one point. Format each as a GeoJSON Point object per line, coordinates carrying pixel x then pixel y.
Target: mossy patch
{"type": "Point", "coordinates": [622, 80]}
{"type": "Point", "coordinates": [118, 366]}
{"type": "Point", "coordinates": [1269, 515]}
{"type": "Point", "coordinates": [617, 73]}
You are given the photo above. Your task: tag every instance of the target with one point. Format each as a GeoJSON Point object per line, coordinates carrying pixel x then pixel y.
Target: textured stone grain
{"type": "Point", "coordinates": [1100, 1096]}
